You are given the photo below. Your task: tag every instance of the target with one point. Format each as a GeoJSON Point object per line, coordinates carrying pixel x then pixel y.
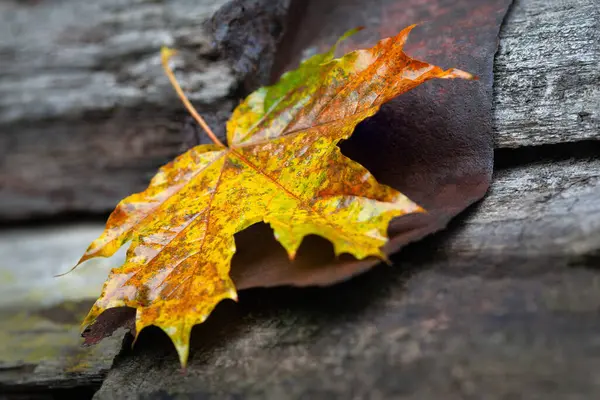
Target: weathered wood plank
{"type": "Point", "coordinates": [547, 81]}
{"type": "Point", "coordinates": [546, 213]}
{"type": "Point", "coordinates": [86, 115]}
{"type": "Point", "coordinates": [521, 245]}
{"type": "Point", "coordinates": [67, 58]}
{"type": "Point", "coordinates": [500, 290]}
{"type": "Point", "coordinates": [435, 337]}
{"type": "Point", "coordinates": [40, 315]}
{"type": "Point", "coordinates": [86, 112]}
{"type": "Point", "coordinates": [511, 291]}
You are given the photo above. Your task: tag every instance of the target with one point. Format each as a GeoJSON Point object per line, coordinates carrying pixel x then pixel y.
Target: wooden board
{"type": "Point", "coordinates": [41, 352]}
{"type": "Point", "coordinates": [505, 302]}
{"type": "Point", "coordinates": [547, 81]}
{"type": "Point", "coordinates": [87, 114]}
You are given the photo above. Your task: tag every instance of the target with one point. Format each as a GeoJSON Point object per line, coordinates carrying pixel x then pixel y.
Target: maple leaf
{"type": "Point", "coordinates": [282, 167]}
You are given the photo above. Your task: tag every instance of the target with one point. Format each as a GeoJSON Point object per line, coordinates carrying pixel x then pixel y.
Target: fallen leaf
{"type": "Point", "coordinates": [282, 167]}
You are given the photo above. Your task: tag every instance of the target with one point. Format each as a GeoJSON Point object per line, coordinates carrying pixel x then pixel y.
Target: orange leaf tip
{"type": "Point", "coordinates": [453, 73]}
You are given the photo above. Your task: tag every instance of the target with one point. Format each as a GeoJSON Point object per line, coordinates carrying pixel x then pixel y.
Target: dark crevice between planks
{"type": "Point", "coordinates": [56, 220]}
{"type": "Point", "coordinates": [589, 260]}
{"type": "Point", "coordinates": [506, 158]}
{"type": "Point", "coordinates": [43, 392]}
{"type": "Point", "coordinates": [284, 49]}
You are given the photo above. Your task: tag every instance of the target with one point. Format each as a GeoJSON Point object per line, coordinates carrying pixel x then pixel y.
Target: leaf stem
{"type": "Point", "coordinates": [166, 55]}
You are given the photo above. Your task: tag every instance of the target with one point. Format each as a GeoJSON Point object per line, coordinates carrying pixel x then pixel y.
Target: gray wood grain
{"type": "Point", "coordinates": [66, 58]}
{"type": "Point", "coordinates": [537, 211]}
{"type": "Point", "coordinates": [547, 81]}
{"type": "Point", "coordinates": [87, 114]}
{"type": "Point", "coordinates": [40, 315]}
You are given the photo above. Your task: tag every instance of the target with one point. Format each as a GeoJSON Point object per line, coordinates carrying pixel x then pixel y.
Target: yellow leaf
{"type": "Point", "coordinates": [282, 167]}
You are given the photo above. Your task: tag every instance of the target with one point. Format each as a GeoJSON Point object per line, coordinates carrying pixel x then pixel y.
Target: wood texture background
{"type": "Point", "coordinates": [504, 303]}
